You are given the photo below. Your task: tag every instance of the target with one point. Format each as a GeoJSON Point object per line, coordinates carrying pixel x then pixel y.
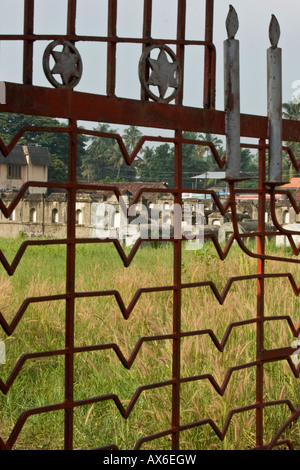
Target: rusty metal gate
{"type": "Point", "coordinates": [158, 111]}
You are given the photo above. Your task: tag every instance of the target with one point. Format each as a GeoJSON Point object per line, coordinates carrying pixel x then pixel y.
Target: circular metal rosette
{"type": "Point", "coordinates": [159, 67]}
{"type": "Point", "coordinates": [66, 62]}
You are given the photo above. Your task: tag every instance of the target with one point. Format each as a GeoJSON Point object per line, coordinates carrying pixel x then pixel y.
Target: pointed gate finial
{"type": "Point", "coordinates": [232, 23]}
{"type": "Point", "coordinates": [274, 31]}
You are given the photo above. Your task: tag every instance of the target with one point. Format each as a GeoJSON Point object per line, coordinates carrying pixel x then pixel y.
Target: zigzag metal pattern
{"type": "Point", "coordinates": [9, 329]}
{"type": "Point", "coordinates": [127, 363]}
{"type": "Point", "coordinates": [129, 158]}
{"type": "Point", "coordinates": [220, 389]}
{"type": "Point", "coordinates": [238, 237]}
{"type": "Point", "coordinates": [220, 433]}
{"type": "Point", "coordinates": [295, 163]}
{"type": "Point", "coordinates": [275, 442]}
{"type": "Point", "coordinates": [7, 211]}
{"type": "Point", "coordinates": [6, 149]}
{"type": "Point", "coordinates": [291, 155]}
{"type": "Point", "coordinates": [125, 411]}
{"type": "Point", "coordinates": [127, 259]}
{"type": "Point", "coordinates": [288, 233]}
{"type": "Point", "coordinates": [126, 311]}
{"type": "Point", "coordinates": [220, 296]}
{"type": "Point", "coordinates": [11, 267]}
{"type": "Point", "coordinates": [5, 387]}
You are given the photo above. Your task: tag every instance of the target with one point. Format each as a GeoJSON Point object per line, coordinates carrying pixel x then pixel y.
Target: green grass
{"type": "Point", "coordinates": [98, 320]}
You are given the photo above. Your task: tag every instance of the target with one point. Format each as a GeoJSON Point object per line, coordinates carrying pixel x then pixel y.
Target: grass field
{"type": "Point", "coordinates": [98, 320]}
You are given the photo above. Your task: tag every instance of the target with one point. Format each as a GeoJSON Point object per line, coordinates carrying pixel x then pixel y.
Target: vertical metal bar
{"type": "Point", "coordinates": [177, 294]}
{"type": "Point", "coordinates": [209, 93]}
{"type": "Point", "coordinates": [70, 285]}
{"type": "Point", "coordinates": [111, 47]}
{"type": "Point", "coordinates": [274, 69]}
{"type": "Point", "coordinates": [147, 25]}
{"type": "Point", "coordinates": [181, 25]}
{"type": "Point", "coordinates": [232, 97]}
{"type": "Point", "coordinates": [260, 294]}
{"type": "Point", "coordinates": [71, 25]}
{"type": "Point", "coordinates": [28, 44]}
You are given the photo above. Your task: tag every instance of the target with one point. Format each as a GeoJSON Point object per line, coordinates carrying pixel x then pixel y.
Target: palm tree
{"type": "Point", "coordinates": [96, 164]}
{"type": "Point", "coordinates": [291, 110]}
{"type": "Point", "coordinates": [143, 163]}
{"type": "Point", "coordinates": [115, 158]}
{"type": "Point", "coordinates": [211, 138]}
{"type": "Point", "coordinates": [131, 137]}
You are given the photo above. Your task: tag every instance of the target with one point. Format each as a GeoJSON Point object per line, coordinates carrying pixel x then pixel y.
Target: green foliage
{"type": "Point", "coordinates": [57, 143]}
{"type": "Point", "coordinates": [100, 158]}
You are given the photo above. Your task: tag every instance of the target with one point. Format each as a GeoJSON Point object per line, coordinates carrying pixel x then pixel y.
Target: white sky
{"type": "Point", "coordinates": [254, 18]}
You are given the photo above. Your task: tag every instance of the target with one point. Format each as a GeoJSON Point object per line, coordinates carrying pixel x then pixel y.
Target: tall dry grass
{"type": "Point", "coordinates": [98, 320]}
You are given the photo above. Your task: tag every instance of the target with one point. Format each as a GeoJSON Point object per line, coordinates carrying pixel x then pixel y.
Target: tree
{"type": "Point", "coordinates": [57, 143]}
{"type": "Point", "coordinates": [131, 136]}
{"type": "Point", "coordinates": [96, 164]}
{"type": "Point", "coordinates": [143, 162]}
{"type": "Point", "coordinates": [104, 159]}
{"type": "Point", "coordinates": [249, 168]}
{"type": "Point", "coordinates": [193, 161]}
{"type": "Point", "coordinates": [159, 165]}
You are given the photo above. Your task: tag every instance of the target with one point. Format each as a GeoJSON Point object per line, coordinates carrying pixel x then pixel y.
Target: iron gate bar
{"type": "Point", "coordinates": [75, 106]}
{"type": "Point", "coordinates": [209, 91]}
{"type": "Point", "coordinates": [111, 48]}
{"type": "Point", "coordinates": [28, 43]}
{"type": "Point", "coordinates": [147, 25]}
{"type": "Point", "coordinates": [81, 106]}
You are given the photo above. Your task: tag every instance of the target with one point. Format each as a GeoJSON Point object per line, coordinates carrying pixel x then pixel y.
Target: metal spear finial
{"type": "Point", "coordinates": [274, 31]}
{"type": "Point", "coordinates": [232, 23]}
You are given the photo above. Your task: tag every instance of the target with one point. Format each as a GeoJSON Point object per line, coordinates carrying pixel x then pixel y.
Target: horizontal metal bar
{"type": "Point", "coordinates": [106, 39]}
{"type": "Point", "coordinates": [62, 103]}
{"type": "Point", "coordinates": [277, 354]}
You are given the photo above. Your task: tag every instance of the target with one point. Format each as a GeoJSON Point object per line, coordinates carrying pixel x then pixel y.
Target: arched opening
{"type": "Point", "coordinates": [54, 216]}
{"type": "Point", "coordinates": [286, 217]}
{"type": "Point", "coordinates": [32, 216]}
{"type": "Point", "coordinates": [12, 216]}
{"type": "Point", "coordinates": [167, 219]}
{"type": "Point", "coordinates": [216, 222]}
{"type": "Point", "coordinates": [79, 217]}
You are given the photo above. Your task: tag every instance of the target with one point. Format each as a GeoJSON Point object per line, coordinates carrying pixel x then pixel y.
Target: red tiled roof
{"type": "Point", "coordinates": [294, 183]}
{"type": "Point", "coordinates": [131, 187]}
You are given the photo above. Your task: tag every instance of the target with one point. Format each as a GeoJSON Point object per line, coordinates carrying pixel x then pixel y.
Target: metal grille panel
{"type": "Point", "coordinates": [152, 111]}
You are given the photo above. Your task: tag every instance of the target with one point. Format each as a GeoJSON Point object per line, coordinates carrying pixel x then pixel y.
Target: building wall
{"type": "Point", "coordinates": [38, 215]}
{"type": "Point", "coordinates": [6, 183]}
{"type": "Point", "coordinates": [35, 173]}
{"type": "Point", "coordinates": [33, 168]}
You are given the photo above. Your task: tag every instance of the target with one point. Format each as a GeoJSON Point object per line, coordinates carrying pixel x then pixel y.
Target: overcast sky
{"type": "Point", "coordinates": [254, 18]}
